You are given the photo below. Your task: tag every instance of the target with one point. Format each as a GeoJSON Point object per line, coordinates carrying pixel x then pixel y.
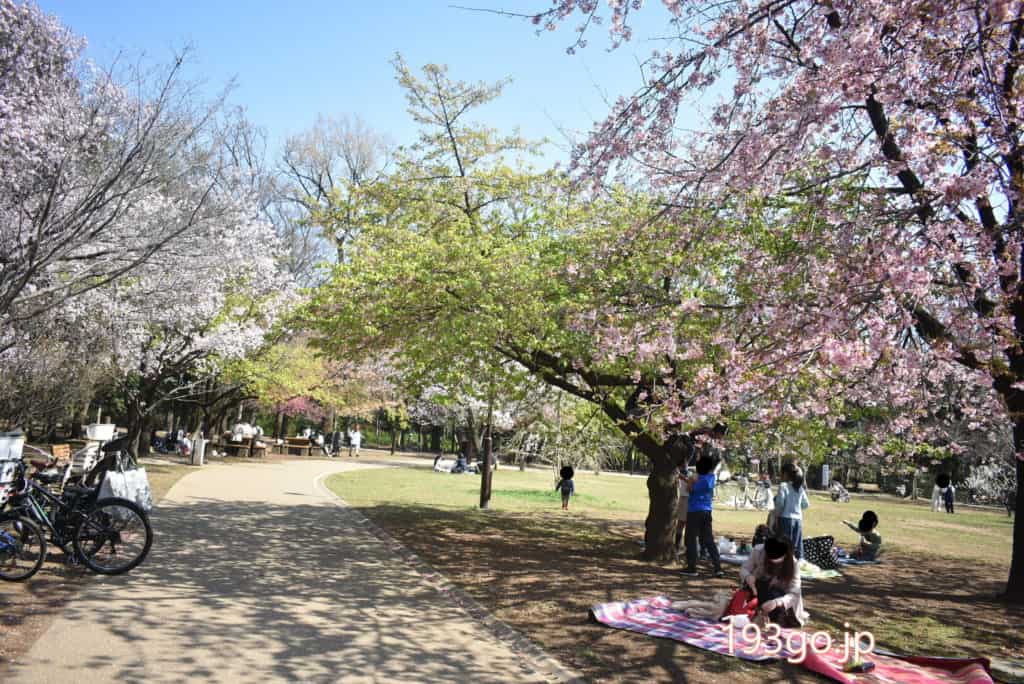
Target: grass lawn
{"type": "Point", "coordinates": [540, 569]}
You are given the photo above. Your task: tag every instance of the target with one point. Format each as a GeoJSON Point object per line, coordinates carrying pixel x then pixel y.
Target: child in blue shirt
{"type": "Point", "coordinates": [698, 518]}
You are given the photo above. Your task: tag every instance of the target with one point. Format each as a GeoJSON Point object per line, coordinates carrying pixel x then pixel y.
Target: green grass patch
{"type": "Point", "coordinates": [905, 527]}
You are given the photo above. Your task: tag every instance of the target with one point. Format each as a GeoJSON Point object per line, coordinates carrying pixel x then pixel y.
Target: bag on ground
{"type": "Point", "coordinates": [132, 484]}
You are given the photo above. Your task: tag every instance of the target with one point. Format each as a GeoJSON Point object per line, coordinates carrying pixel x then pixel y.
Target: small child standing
{"type": "Point", "coordinates": [870, 540]}
{"type": "Point", "coordinates": [566, 485]}
{"type": "Point", "coordinates": [948, 497]}
{"type": "Point", "coordinates": [698, 518]}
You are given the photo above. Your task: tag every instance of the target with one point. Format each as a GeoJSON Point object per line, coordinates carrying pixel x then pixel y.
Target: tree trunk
{"type": "Point", "coordinates": [485, 478]}
{"type": "Point", "coordinates": [436, 433]}
{"type": "Point", "coordinates": [279, 426]}
{"type": "Point", "coordinates": [135, 419]}
{"type": "Point", "coordinates": [146, 436]}
{"type": "Point", "coordinates": [663, 495]}
{"type": "Point", "coordinates": [1015, 582]}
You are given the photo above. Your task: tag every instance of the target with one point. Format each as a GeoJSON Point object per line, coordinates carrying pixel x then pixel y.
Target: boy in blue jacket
{"type": "Point", "coordinates": [698, 518]}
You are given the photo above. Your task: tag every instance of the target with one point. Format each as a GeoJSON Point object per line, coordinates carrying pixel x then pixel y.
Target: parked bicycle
{"type": "Point", "coordinates": [110, 536]}
{"type": "Point", "coordinates": [760, 498]}
{"type": "Point", "coordinates": [839, 493]}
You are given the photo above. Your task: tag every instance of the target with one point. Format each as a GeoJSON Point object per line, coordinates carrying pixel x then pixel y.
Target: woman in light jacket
{"type": "Point", "coordinates": [772, 574]}
{"type": "Point", "coordinates": [790, 503]}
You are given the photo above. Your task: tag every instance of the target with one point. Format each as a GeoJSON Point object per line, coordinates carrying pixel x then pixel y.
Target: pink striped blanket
{"type": "Point", "coordinates": [656, 617]}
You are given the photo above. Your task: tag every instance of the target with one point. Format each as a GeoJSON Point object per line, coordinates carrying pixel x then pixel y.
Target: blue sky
{"type": "Point", "coordinates": [293, 60]}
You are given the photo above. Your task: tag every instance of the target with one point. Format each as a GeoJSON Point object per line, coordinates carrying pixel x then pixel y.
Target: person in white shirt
{"type": "Point", "coordinates": [939, 491]}
{"type": "Point", "coordinates": [355, 440]}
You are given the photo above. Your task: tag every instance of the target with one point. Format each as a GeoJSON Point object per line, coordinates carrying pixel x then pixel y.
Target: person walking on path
{"type": "Point", "coordinates": [790, 503]}
{"type": "Point", "coordinates": [355, 440]}
{"type": "Point", "coordinates": [566, 485]}
{"type": "Point", "coordinates": [698, 518]}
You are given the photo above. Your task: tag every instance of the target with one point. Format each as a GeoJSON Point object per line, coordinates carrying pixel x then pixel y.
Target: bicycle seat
{"type": "Point", "coordinates": [119, 444]}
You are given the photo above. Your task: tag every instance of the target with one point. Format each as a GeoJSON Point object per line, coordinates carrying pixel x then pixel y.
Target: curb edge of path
{"type": "Point", "coordinates": [533, 655]}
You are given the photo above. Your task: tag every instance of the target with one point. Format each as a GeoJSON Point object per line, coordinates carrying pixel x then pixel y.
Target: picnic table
{"type": "Point", "coordinates": [298, 446]}
{"type": "Point", "coordinates": [250, 447]}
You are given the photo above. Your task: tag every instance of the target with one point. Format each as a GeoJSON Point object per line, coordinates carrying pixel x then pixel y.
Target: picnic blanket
{"type": "Point", "coordinates": [656, 617]}
{"type": "Point", "coordinates": [808, 571]}
{"type": "Point", "coordinates": [857, 561]}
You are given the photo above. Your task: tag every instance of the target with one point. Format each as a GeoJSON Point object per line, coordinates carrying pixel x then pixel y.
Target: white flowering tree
{"type": "Point", "coordinates": [99, 171]}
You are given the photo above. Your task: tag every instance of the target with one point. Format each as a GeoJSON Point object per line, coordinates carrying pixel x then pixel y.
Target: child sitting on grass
{"type": "Point", "coordinates": [870, 540]}
{"type": "Point", "coordinates": [566, 485]}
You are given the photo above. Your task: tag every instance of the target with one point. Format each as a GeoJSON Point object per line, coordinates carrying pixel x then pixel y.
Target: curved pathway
{"type": "Point", "coordinates": [258, 575]}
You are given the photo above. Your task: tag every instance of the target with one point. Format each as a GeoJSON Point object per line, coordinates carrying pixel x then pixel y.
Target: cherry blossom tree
{"type": "Point", "coordinates": [899, 123]}
{"type": "Point", "coordinates": [99, 170]}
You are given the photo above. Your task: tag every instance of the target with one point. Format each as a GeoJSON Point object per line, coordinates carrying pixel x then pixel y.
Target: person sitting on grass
{"type": "Point", "coordinates": [698, 518]}
{"type": "Point", "coordinates": [761, 534]}
{"type": "Point", "coordinates": [771, 574]}
{"type": "Point", "coordinates": [870, 540]}
{"type": "Point", "coordinates": [566, 485]}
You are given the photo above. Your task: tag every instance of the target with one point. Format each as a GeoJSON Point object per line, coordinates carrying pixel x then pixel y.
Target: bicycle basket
{"type": "Point", "coordinates": [11, 445]}
{"type": "Point", "coordinates": [100, 432]}
{"type": "Point", "coordinates": [8, 472]}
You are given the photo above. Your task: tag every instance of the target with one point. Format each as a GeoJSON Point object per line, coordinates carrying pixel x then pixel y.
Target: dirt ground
{"type": "Point", "coordinates": [541, 575]}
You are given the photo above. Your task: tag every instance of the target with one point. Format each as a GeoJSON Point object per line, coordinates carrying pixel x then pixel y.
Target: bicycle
{"type": "Point", "coordinates": [761, 500]}
{"type": "Point", "coordinates": [87, 465]}
{"type": "Point", "coordinates": [111, 536]}
{"type": "Point", "coordinates": [22, 548]}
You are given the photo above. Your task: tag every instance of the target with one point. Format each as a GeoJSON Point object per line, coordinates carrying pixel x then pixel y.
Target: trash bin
{"type": "Point", "coordinates": [198, 452]}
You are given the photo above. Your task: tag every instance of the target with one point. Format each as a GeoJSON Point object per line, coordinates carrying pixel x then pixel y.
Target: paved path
{"type": "Point", "coordinates": [257, 575]}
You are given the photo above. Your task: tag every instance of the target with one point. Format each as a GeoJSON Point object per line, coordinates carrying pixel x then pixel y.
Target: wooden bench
{"type": "Point", "coordinates": [247, 448]}
{"type": "Point", "coordinates": [61, 452]}
{"type": "Point", "coordinates": [236, 449]}
{"type": "Point", "coordinates": [298, 446]}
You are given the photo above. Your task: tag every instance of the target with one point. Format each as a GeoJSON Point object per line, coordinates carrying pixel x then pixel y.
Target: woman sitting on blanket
{"type": "Point", "coordinates": [870, 540]}
{"type": "Point", "coordinates": [771, 573]}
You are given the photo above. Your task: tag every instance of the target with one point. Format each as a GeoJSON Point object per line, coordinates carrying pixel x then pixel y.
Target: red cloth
{"type": "Point", "coordinates": [743, 602]}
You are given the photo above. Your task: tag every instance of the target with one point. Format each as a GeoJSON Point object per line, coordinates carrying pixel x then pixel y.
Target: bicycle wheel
{"type": "Point", "coordinates": [22, 548]}
{"type": "Point", "coordinates": [113, 537]}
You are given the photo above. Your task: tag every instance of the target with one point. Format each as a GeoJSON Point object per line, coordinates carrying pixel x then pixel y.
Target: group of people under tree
{"type": "Point", "coordinates": [771, 571]}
